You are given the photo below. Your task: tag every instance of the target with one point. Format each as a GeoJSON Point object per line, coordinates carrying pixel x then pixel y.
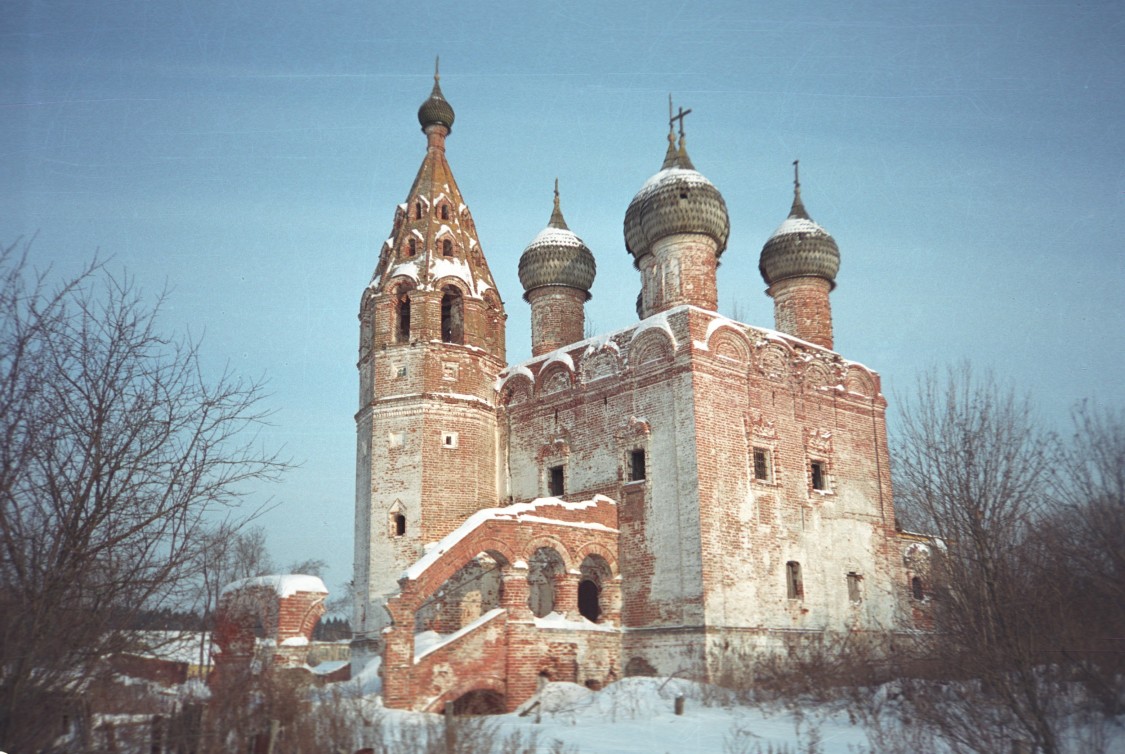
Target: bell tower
{"type": "Point", "coordinates": [431, 346]}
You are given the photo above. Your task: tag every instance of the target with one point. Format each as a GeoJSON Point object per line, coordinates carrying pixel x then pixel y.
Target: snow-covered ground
{"type": "Point", "coordinates": [638, 715]}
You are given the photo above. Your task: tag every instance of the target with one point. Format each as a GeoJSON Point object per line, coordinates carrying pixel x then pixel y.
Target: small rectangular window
{"type": "Point", "coordinates": [819, 478]}
{"type": "Point", "coordinates": [555, 481]}
{"type": "Point", "coordinates": [449, 439]}
{"type": "Point", "coordinates": [396, 439]}
{"type": "Point", "coordinates": [636, 465]}
{"type": "Point", "coordinates": [763, 465]}
{"type": "Point", "coordinates": [399, 370]}
{"type": "Point", "coordinates": [449, 371]}
{"type": "Point", "coordinates": [794, 588]}
{"type": "Point", "coordinates": [855, 587]}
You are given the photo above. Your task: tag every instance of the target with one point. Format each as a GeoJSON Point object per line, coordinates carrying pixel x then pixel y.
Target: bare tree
{"type": "Point", "coordinates": [972, 466]}
{"type": "Point", "coordinates": [1084, 544]}
{"type": "Point", "coordinates": [115, 447]}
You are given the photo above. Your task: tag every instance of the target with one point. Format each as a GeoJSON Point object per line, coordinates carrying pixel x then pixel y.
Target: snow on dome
{"type": "Point", "coordinates": [557, 237]}
{"type": "Point", "coordinates": [797, 225]}
{"type": "Point", "coordinates": [682, 175]}
{"type": "Point", "coordinates": [285, 585]}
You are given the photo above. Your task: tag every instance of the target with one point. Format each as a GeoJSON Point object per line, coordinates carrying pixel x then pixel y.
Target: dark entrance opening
{"type": "Point", "coordinates": [588, 594]}
{"type": "Point", "coordinates": [480, 702]}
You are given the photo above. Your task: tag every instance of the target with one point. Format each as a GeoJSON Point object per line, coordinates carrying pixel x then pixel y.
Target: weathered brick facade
{"type": "Point", "coordinates": [680, 496]}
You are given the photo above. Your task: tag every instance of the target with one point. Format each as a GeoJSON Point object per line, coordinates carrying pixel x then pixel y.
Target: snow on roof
{"type": "Point", "coordinates": [285, 585]}
{"type": "Point", "coordinates": [426, 642]}
{"type": "Point", "coordinates": [406, 269]}
{"type": "Point", "coordinates": [600, 342]}
{"type": "Point", "coordinates": [560, 356]}
{"type": "Point", "coordinates": [442, 267]}
{"type": "Point", "coordinates": [657, 321]}
{"type": "Point", "coordinates": [718, 321]}
{"type": "Point", "coordinates": [508, 374]}
{"type": "Point", "coordinates": [558, 620]}
{"type": "Point", "coordinates": [514, 512]}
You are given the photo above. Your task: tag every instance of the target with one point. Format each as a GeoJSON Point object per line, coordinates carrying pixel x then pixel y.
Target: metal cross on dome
{"type": "Point", "coordinates": [673, 118]}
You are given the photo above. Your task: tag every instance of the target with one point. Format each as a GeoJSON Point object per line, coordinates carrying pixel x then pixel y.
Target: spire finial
{"type": "Point", "coordinates": [798, 208]}
{"type": "Point", "coordinates": [437, 65]}
{"type": "Point", "coordinates": [557, 220]}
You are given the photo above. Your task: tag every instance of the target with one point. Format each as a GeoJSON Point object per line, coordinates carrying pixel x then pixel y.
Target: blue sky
{"type": "Point", "coordinates": [968, 157]}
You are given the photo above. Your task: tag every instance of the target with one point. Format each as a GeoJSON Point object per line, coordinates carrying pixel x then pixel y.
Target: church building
{"type": "Point", "coordinates": [682, 496]}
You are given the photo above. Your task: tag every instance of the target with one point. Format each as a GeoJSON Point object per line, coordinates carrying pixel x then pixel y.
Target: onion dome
{"type": "Point", "coordinates": [557, 257]}
{"type": "Point", "coordinates": [678, 199]}
{"type": "Point", "coordinates": [799, 247]}
{"type": "Point", "coordinates": [435, 110]}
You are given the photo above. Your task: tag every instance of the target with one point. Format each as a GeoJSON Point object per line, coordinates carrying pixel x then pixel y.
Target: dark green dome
{"type": "Point", "coordinates": [557, 257]}
{"type": "Point", "coordinates": [678, 199]}
{"type": "Point", "coordinates": [799, 248]}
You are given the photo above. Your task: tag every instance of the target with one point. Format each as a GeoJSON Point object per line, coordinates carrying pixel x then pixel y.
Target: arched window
{"type": "Point", "coordinates": [452, 315]}
{"type": "Point", "coordinates": [411, 247]}
{"type": "Point", "coordinates": [402, 316]}
{"type": "Point", "coordinates": [417, 210]}
{"type": "Point", "coordinates": [400, 525]}
{"type": "Point", "coordinates": [916, 588]}
{"type": "Point", "coordinates": [447, 248]}
{"type": "Point", "coordinates": [445, 212]}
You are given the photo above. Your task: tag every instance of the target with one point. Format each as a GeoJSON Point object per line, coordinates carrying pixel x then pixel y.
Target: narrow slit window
{"type": "Point", "coordinates": [417, 210]}
{"type": "Point", "coordinates": [819, 477]}
{"type": "Point", "coordinates": [447, 248]}
{"type": "Point", "coordinates": [794, 588]}
{"type": "Point", "coordinates": [399, 525]}
{"type": "Point", "coordinates": [556, 481]}
{"type": "Point", "coordinates": [402, 323]}
{"type": "Point", "coordinates": [452, 316]}
{"type": "Point", "coordinates": [637, 465]}
{"type": "Point", "coordinates": [411, 247]}
{"type": "Point", "coordinates": [762, 465]}
{"type": "Point", "coordinates": [916, 589]}
{"type": "Point", "coordinates": [855, 587]}
{"type": "Point", "coordinates": [445, 212]}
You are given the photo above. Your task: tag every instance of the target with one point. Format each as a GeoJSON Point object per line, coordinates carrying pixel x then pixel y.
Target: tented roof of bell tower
{"type": "Point", "coordinates": [434, 237]}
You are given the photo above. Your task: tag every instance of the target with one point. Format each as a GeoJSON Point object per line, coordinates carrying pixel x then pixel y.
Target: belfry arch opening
{"type": "Point", "coordinates": [452, 315]}
{"type": "Point", "coordinates": [402, 315]}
